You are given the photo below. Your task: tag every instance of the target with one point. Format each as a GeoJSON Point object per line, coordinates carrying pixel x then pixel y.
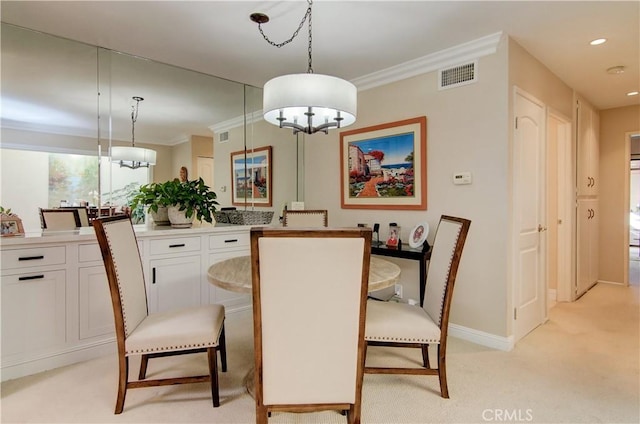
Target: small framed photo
{"type": "Point", "coordinates": [251, 172]}
{"type": "Point", "coordinates": [10, 225]}
{"type": "Point", "coordinates": [418, 235]}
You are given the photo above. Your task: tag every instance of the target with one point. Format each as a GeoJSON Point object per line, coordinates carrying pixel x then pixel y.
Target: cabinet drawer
{"type": "Point", "coordinates": [29, 258]}
{"type": "Point", "coordinates": [89, 253]}
{"type": "Point", "coordinates": [224, 241]}
{"type": "Point", "coordinates": [174, 245]}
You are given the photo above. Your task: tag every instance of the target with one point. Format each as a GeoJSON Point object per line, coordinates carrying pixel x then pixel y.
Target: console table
{"type": "Point", "coordinates": [406, 252]}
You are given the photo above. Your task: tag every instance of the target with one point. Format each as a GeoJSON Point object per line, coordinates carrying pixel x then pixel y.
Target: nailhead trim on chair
{"type": "Point", "coordinates": [160, 349]}
{"type": "Point", "coordinates": [403, 340]}
{"type": "Point", "coordinates": [115, 265]}
{"type": "Point", "coordinates": [444, 292]}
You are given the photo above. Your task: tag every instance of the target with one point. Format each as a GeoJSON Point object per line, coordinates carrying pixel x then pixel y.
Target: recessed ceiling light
{"type": "Point", "coordinates": [632, 93]}
{"type": "Point", "coordinates": [616, 70]}
{"type": "Point", "coordinates": [598, 41]}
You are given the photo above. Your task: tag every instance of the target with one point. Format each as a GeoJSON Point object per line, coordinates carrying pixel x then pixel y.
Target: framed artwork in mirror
{"type": "Point", "coordinates": [385, 166]}
{"type": "Point", "coordinates": [251, 172]}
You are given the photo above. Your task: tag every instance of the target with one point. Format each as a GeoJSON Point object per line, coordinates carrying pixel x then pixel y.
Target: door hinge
{"type": "Point", "coordinates": [515, 313]}
{"type": "Point", "coordinates": [516, 122]}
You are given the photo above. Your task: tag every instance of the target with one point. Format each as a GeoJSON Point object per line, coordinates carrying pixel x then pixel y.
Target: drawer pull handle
{"type": "Point", "coordinates": [177, 245]}
{"type": "Point", "coordinates": [31, 277]}
{"type": "Point", "coordinates": [153, 275]}
{"type": "Point", "coordinates": [231, 241]}
{"type": "Point", "coordinates": [31, 258]}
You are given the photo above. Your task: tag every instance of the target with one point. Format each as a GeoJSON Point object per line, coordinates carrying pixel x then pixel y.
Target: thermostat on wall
{"type": "Point", "coordinates": [462, 178]}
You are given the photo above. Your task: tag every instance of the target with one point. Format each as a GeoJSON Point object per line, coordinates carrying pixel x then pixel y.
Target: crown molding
{"type": "Point", "coordinates": [452, 56]}
{"type": "Point", "coordinates": [251, 118]}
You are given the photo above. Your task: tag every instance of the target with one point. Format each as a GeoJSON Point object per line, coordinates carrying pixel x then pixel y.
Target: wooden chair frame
{"type": "Point", "coordinates": [441, 370]}
{"type": "Point", "coordinates": [308, 212]}
{"type": "Point", "coordinates": [263, 411]}
{"type": "Point", "coordinates": [123, 358]}
{"type": "Point", "coordinates": [45, 211]}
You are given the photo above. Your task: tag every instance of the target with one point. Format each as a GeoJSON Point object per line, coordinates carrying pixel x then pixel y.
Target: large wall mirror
{"type": "Point", "coordinates": [65, 104]}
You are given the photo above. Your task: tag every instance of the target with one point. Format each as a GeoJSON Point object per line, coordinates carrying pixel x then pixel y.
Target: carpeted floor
{"type": "Point", "coordinates": [582, 366]}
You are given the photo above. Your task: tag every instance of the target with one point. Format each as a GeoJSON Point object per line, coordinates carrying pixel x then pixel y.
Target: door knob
{"type": "Point", "coordinates": [541, 228]}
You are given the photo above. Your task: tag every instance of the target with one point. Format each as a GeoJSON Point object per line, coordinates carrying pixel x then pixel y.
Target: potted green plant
{"type": "Point", "coordinates": [188, 200]}
{"type": "Point", "coordinates": [153, 196]}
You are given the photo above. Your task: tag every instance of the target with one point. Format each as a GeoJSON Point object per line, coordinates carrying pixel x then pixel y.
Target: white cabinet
{"type": "Point", "coordinates": [95, 313]}
{"type": "Point", "coordinates": [587, 183]}
{"type": "Point", "coordinates": [33, 303]}
{"type": "Point", "coordinates": [55, 300]}
{"type": "Point", "coordinates": [587, 250]}
{"type": "Point", "coordinates": [587, 149]}
{"type": "Point", "coordinates": [174, 273]}
{"type": "Point", "coordinates": [174, 283]}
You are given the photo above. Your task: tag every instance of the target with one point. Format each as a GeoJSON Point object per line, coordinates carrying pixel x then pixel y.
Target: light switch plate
{"type": "Point", "coordinates": [460, 178]}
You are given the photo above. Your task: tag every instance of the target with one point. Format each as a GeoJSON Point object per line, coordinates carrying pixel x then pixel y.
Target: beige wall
{"type": "Point", "coordinates": [615, 124]}
{"type": "Point", "coordinates": [466, 131]}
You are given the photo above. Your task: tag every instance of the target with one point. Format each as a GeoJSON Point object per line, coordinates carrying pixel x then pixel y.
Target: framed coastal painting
{"type": "Point", "coordinates": [385, 166]}
{"type": "Point", "coordinates": [251, 177]}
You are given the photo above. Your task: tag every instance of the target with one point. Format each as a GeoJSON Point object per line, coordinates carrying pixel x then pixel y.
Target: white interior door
{"type": "Point", "coordinates": [529, 214]}
{"type": "Point", "coordinates": [205, 170]}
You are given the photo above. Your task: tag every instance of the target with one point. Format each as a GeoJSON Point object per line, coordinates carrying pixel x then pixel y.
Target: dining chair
{"type": "Point", "coordinates": [305, 218]}
{"type": "Point", "coordinates": [59, 219]}
{"type": "Point", "coordinates": [309, 342]}
{"type": "Point", "coordinates": [83, 213]}
{"type": "Point", "coordinates": [138, 333]}
{"type": "Point", "coordinates": [414, 326]}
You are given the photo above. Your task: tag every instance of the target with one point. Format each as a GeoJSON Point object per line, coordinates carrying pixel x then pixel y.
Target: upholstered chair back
{"type": "Point", "coordinates": [306, 218]}
{"type": "Point", "coordinates": [59, 219]}
{"type": "Point", "coordinates": [309, 296]}
{"type": "Point", "coordinates": [124, 269]}
{"type": "Point", "coordinates": [443, 267]}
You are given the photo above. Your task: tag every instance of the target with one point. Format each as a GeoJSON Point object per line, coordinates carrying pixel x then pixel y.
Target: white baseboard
{"type": "Point", "coordinates": [57, 360]}
{"type": "Point", "coordinates": [481, 338]}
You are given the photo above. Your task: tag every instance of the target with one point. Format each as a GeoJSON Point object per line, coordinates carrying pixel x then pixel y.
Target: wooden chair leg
{"type": "Point", "coordinates": [261, 414]}
{"type": "Point", "coordinates": [223, 349]}
{"type": "Point", "coordinates": [143, 367]}
{"type": "Point", "coordinates": [425, 356]}
{"type": "Point", "coordinates": [442, 373]}
{"type": "Point", "coordinates": [212, 355]}
{"type": "Point", "coordinates": [123, 365]}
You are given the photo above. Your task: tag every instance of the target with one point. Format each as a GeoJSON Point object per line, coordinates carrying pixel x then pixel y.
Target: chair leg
{"type": "Point", "coordinates": [223, 349]}
{"type": "Point", "coordinates": [143, 367]}
{"type": "Point", "coordinates": [123, 365]}
{"type": "Point", "coordinates": [213, 372]}
{"type": "Point", "coordinates": [425, 356]}
{"type": "Point", "coordinates": [442, 373]}
{"type": "Point", "coordinates": [261, 414]}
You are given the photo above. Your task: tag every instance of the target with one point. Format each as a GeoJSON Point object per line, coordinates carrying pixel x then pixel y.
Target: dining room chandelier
{"type": "Point", "coordinates": [133, 157]}
{"type": "Point", "coordinates": [310, 102]}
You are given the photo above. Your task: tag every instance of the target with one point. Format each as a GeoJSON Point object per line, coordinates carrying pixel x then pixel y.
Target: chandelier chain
{"type": "Point", "coordinates": [134, 118]}
{"type": "Point", "coordinates": [306, 16]}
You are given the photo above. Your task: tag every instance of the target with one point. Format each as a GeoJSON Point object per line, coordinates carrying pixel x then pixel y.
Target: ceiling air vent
{"type": "Point", "coordinates": [224, 136]}
{"type": "Point", "coordinates": [458, 75]}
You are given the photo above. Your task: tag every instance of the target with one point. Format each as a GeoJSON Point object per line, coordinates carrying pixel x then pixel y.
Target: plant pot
{"type": "Point", "coordinates": [178, 218]}
{"type": "Point", "coordinates": [161, 217]}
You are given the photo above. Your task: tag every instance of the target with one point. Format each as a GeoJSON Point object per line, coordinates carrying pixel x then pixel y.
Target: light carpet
{"type": "Point", "coordinates": [582, 366]}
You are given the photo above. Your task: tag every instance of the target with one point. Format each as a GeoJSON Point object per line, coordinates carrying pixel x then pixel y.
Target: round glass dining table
{"type": "Point", "coordinates": [234, 274]}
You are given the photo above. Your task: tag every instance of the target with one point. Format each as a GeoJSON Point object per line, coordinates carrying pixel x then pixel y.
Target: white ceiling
{"type": "Point", "coordinates": [352, 39]}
